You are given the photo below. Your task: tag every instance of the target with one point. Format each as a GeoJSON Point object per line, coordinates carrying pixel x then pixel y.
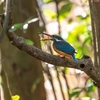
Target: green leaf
{"type": "Point", "coordinates": [91, 88]}
{"type": "Point", "coordinates": [41, 29]}
{"type": "Point", "coordinates": [87, 41]}
{"type": "Point", "coordinates": [27, 22]}
{"type": "Point", "coordinates": [66, 70]}
{"type": "Point", "coordinates": [15, 97]}
{"type": "Point", "coordinates": [27, 41]}
{"type": "Point", "coordinates": [75, 92]}
{"type": "Point", "coordinates": [20, 25]}
{"type": "Point", "coordinates": [15, 27]}
{"type": "Point", "coordinates": [30, 20]}
{"type": "Point", "coordinates": [80, 17]}
{"type": "Point", "coordinates": [47, 1]}
{"type": "Point", "coordinates": [50, 14]}
{"type": "Point", "coordinates": [64, 11]}
{"type": "Point", "coordinates": [36, 82]}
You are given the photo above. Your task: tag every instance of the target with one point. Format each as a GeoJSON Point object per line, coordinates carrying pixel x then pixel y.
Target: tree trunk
{"type": "Point", "coordinates": [95, 20]}
{"type": "Point", "coordinates": [24, 73]}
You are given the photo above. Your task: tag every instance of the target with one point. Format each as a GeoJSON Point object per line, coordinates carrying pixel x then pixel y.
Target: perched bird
{"type": "Point", "coordinates": [62, 47]}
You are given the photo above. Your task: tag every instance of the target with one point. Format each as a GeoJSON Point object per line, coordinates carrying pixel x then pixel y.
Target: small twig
{"type": "Point", "coordinates": [60, 84]}
{"type": "Point", "coordinates": [57, 11]}
{"type": "Point", "coordinates": [8, 83]}
{"type": "Point", "coordinates": [82, 89]}
{"type": "Point", "coordinates": [47, 68]}
{"type": "Point", "coordinates": [47, 71]}
{"type": "Point", "coordinates": [40, 15]}
{"type": "Point", "coordinates": [68, 88]}
{"type": "Point", "coordinates": [85, 64]}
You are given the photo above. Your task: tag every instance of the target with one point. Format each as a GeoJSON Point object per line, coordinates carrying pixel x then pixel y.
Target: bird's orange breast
{"type": "Point", "coordinates": [62, 53]}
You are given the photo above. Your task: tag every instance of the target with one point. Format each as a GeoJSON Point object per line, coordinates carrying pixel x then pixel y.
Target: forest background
{"type": "Point", "coordinates": [23, 76]}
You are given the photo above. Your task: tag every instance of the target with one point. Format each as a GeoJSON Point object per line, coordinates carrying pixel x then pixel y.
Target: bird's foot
{"type": "Point", "coordinates": [62, 56]}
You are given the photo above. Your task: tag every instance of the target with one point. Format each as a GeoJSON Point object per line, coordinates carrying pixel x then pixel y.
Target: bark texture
{"type": "Point", "coordinates": [24, 72]}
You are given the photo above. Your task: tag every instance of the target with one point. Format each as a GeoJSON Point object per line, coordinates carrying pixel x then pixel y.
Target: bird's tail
{"type": "Point", "coordinates": [74, 58]}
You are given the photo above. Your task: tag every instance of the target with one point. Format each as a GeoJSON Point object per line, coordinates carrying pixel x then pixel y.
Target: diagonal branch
{"type": "Point", "coordinates": [85, 64]}
{"type": "Point", "coordinates": [57, 11]}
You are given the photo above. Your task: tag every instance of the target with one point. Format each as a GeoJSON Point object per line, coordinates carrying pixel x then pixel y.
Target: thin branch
{"type": "Point", "coordinates": [68, 88]}
{"type": "Point", "coordinates": [8, 85]}
{"type": "Point", "coordinates": [47, 71]}
{"type": "Point", "coordinates": [61, 88]}
{"type": "Point", "coordinates": [57, 11]}
{"type": "Point", "coordinates": [85, 64]}
{"type": "Point", "coordinates": [40, 13]}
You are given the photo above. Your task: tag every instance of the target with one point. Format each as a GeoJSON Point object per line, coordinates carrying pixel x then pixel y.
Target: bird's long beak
{"type": "Point", "coordinates": [45, 36]}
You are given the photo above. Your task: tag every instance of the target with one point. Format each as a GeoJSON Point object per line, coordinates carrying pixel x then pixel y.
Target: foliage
{"type": "Point", "coordinates": [80, 36]}
{"type": "Point", "coordinates": [37, 81]}
{"type": "Point", "coordinates": [27, 41]}
{"type": "Point", "coordinates": [75, 92]}
{"type": "Point", "coordinates": [64, 11]}
{"type": "Point", "coordinates": [23, 25]}
{"type": "Point", "coordinates": [48, 1]}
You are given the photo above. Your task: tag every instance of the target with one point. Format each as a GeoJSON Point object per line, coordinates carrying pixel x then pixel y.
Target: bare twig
{"type": "Point", "coordinates": [60, 84]}
{"type": "Point", "coordinates": [47, 71]}
{"type": "Point", "coordinates": [57, 11]}
{"type": "Point", "coordinates": [40, 13]}
{"type": "Point", "coordinates": [85, 64]}
{"type": "Point", "coordinates": [68, 88]}
{"type": "Point", "coordinates": [8, 83]}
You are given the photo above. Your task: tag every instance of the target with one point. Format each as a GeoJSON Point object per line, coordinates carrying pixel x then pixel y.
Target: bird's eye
{"type": "Point", "coordinates": [56, 38]}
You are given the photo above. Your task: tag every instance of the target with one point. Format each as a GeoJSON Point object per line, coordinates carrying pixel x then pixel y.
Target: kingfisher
{"type": "Point", "coordinates": [62, 47]}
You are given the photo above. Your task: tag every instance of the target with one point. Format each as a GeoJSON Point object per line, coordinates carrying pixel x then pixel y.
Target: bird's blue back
{"type": "Point", "coordinates": [63, 46]}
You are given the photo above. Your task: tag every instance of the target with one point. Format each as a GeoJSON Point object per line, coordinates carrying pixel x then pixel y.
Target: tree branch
{"type": "Point", "coordinates": [57, 11]}
{"type": "Point", "coordinates": [85, 64]}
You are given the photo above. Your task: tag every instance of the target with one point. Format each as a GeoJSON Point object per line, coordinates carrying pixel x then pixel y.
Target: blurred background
{"type": "Point", "coordinates": [30, 79]}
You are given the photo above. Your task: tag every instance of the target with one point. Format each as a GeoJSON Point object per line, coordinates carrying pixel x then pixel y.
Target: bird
{"type": "Point", "coordinates": [62, 47]}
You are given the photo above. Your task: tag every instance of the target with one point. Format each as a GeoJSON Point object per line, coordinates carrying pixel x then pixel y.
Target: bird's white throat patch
{"type": "Point", "coordinates": [58, 40]}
